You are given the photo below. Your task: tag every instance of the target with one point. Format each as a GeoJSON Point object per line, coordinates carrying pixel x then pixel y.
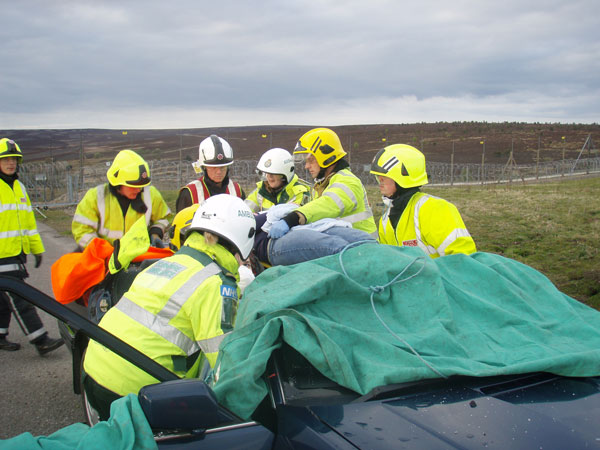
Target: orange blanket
{"type": "Point", "coordinates": [74, 273]}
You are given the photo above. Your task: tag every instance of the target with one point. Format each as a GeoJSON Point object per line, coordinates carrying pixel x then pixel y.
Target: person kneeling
{"type": "Point", "coordinates": [178, 310]}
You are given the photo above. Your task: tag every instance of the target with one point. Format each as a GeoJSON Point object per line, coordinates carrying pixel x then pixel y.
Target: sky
{"type": "Point", "coordinates": [197, 64]}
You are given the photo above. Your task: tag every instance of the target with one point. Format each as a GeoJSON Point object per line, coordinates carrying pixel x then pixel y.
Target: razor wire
{"type": "Point", "coordinates": [65, 183]}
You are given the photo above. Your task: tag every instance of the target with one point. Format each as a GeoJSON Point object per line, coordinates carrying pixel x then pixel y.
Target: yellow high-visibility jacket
{"type": "Point", "coordinates": [176, 312]}
{"type": "Point", "coordinates": [18, 229]}
{"type": "Point", "coordinates": [428, 222]}
{"type": "Point", "coordinates": [296, 191]}
{"type": "Point", "coordinates": [341, 196]}
{"type": "Point", "coordinates": [99, 215]}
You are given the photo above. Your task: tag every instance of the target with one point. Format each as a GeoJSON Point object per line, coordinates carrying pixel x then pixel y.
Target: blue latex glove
{"type": "Point", "coordinates": [278, 229]}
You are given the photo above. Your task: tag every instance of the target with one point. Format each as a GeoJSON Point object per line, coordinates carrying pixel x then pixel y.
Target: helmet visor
{"type": "Point", "coordinates": [379, 167]}
{"type": "Point", "coordinates": [300, 148]}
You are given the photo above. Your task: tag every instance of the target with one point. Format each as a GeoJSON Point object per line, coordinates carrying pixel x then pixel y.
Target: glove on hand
{"type": "Point", "coordinates": [279, 229]}
{"type": "Point", "coordinates": [38, 260]}
{"type": "Point", "coordinates": [157, 242]}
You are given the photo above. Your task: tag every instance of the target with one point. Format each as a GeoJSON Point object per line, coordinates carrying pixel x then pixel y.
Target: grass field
{"type": "Point", "coordinates": [553, 227]}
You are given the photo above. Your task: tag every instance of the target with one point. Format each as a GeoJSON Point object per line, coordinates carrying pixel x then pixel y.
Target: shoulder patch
{"type": "Point", "coordinates": [228, 291]}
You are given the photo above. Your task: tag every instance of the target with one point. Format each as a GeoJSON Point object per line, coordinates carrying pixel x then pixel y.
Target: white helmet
{"type": "Point", "coordinates": [228, 217]}
{"type": "Point", "coordinates": [214, 151]}
{"type": "Point", "coordinates": [277, 161]}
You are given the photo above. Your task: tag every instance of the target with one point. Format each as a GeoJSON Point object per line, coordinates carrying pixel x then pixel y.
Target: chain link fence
{"type": "Point", "coordinates": [61, 184]}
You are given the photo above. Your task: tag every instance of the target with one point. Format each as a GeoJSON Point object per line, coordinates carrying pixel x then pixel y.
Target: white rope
{"type": "Point", "coordinates": [377, 289]}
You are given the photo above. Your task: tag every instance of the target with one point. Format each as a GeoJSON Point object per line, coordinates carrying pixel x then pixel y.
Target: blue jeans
{"type": "Point", "coordinates": [300, 245]}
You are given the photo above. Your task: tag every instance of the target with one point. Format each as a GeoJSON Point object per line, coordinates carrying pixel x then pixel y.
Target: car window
{"type": "Point", "coordinates": [301, 383]}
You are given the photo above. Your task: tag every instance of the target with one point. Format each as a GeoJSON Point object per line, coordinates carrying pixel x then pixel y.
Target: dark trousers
{"type": "Point", "coordinates": [24, 313]}
{"type": "Point", "coordinates": [99, 397]}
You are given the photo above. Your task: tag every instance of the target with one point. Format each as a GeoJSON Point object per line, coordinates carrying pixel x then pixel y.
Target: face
{"type": "Point", "coordinates": [217, 174]}
{"type": "Point", "coordinates": [8, 165]}
{"type": "Point", "coordinates": [274, 181]}
{"type": "Point", "coordinates": [129, 192]}
{"type": "Point", "coordinates": [387, 186]}
{"type": "Point", "coordinates": [311, 164]}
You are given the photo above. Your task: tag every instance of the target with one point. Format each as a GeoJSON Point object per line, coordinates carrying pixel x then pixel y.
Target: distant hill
{"type": "Point", "coordinates": [436, 140]}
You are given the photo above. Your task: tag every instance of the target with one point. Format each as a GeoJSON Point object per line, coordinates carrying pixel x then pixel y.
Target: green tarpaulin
{"type": "Point", "coordinates": [126, 429]}
{"type": "Point", "coordinates": [477, 315]}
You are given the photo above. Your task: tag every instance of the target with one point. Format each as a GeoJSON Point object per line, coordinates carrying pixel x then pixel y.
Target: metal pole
{"type": "Point", "coordinates": [452, 165]}
{"type": "Point", "coordinates": [537, 161]}
{"type": "Point", "coordinates": [179, 174]}
{"type": "Point", "coordinates": [482, 162]}
{"type": "Point", "coordinates": [512, 144]}
{"type": "Point", "coordinates": [349, 150]}
{"type": "Point", "coordinates": [562, 167]}
{"type": "Point", "coordinates": [80, 160]}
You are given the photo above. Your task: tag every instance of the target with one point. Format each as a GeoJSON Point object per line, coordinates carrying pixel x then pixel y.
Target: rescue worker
{"type": "Point", "coordinates": [180, 226]}
{"type": "Point", "coordinates": [18, 238]}
{"type": "Point", "coordinates": [337, 192]}
{"type": "Point", "coordinates": [280, 184]}
{"type": "Point", "coordinates": [178, 310]}
{"type": "Point", "coordinates": [215, 155]}
{"type": "Point", "coordinates": [108, 211]}
{"type": "Point", "coordinates": [413, 218]}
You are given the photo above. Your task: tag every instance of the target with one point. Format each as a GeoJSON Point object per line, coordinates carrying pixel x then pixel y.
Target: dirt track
{"type": "Point", "coordinates": [37, 394]}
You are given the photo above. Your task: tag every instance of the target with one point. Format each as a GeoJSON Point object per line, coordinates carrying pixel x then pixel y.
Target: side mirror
{"type": "Point", "coordinates": [186, 404]}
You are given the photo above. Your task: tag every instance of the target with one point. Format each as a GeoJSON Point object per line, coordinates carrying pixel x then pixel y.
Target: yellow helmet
{"type": "Point", "coordinates": [181, 224]}
{"type": "Point", "coordinates": [8, 147]}
{"type": "Point", "coordinates": [402, 163]}
{"type": "Point", "coordinates": [129, 169]}
{"type": "Point", "coordinates": [323, 144]}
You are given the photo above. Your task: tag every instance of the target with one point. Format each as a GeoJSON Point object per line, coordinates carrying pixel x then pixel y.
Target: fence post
{"type": "Point", "coordinates": [452, 165]}
{"type": "Point", "coordinates": [562, 167]}
{"type": "Point", "coordinates": [482, 161]}
{"type": "Point", "coordinates": [537, 159]}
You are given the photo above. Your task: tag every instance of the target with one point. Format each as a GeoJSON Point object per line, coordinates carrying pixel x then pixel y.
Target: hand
{"type": "Point", "coordinates": [38, 260]}
{"type": "Point", "coordinates": [156, 241]}
{"type": "Point", "coordinates": [278, 229]}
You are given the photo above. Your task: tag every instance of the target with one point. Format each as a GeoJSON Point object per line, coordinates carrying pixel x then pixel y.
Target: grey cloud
{"type": "Point", "coordinates": [293, 56]}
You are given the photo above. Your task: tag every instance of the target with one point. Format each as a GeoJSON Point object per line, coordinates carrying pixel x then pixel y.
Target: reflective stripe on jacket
{"type": "Point", "coordinates": [344, 197]}
{"type": "Point", "coordinates": [296, 191]}
{"type": "Point", "coordinates": [18, 229]}
{"type": "Point", "coordinates": [175, 312]}
{"type": "Point", "coordinates": [99, 215]}
{"type": "Point", "coordinates": [431, 223]}
{"type": "Point", "coordinates": [199, 191]}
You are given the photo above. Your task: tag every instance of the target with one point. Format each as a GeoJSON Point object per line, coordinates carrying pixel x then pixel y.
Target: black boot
{"type": "Point", "coordinates": [46, 344]}
{"type": "Point", "coordinates": [7, 345]}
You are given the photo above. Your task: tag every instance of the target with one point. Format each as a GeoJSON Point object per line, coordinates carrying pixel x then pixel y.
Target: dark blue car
{"type": "Point", "coordinates": [304, 409]}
